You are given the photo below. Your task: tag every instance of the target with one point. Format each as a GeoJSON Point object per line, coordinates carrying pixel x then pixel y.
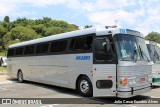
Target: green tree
{"type": "Point", "coordinates": [24, 29]}
{"type": "Point", "coordinates": [88, 26]}
{"type": "Point", "coordinates": [6, 19]}
{"type": "Point", "coordinates": [53, 31]}
{"type": "Point", "coordinates": [5, 40]}
{"type": "Point", "coordinates": [23, 33]}
{"type": "Point", "coordinates": [58, 23]}
{"type": "Point", "coordinates": [153, 36]}
{"type": "Point", "coordinates": [2, 31]}
{"type": "Point", "coordinates": [39, 29]}
{"type": "Point", "coordinates": [23, 22]}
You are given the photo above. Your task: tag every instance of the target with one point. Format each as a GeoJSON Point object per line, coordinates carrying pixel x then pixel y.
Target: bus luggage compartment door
{"type": "Point", "coordinates": [104, 80]}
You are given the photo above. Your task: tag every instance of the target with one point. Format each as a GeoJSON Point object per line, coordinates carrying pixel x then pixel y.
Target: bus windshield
{"type": "Point", "coordinates": [130, 47]}
{"type": "Point", "coordinates": [158, 51]}
{"type": "Point", "coordinates": [153, 52]}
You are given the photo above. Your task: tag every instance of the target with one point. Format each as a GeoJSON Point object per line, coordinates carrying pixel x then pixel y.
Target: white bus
{"type": "Point", "coordinates": [98, 62]}
{"type": "Point", "coordinates": [154, 53]}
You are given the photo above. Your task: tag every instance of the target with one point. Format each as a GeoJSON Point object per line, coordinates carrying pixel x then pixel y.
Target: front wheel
{"type": "Point", "coordinates": [20, 76]}
{"type": "Point", "coordinates": [85, 87]}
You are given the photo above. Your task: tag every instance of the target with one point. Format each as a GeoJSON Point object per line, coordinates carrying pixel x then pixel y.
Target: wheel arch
{"type": "Point", "coordinates": [19, 70]}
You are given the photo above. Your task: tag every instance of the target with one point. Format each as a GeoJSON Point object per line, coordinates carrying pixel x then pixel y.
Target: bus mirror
{"type": "Point", "coordinates": [108, 45]}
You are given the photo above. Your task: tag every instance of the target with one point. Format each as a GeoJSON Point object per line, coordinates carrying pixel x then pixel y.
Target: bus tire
{"type": "Point", "coordinates": [20, 76]}
{"type": "Point", "coordinates": [85, 87]}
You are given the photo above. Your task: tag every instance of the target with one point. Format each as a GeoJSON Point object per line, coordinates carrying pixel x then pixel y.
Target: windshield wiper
{"type": "Point", "coordinates": [143, 54]}
{"type": "Point", "coordinates": [135, 53]}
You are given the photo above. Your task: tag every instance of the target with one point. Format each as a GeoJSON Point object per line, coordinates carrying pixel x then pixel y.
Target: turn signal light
{"type": "Point", "coordinates": [123, 81]}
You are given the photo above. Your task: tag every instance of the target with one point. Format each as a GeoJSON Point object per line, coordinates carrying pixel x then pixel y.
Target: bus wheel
{"type": "Point", "coordinates": [20, 76]}
{"type": "Point", "coordinates": [85, 87]}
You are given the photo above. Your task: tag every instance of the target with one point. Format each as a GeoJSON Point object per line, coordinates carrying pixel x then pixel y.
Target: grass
{"type": "Point", "coordinates": [3, 69]}
{"type": "Point", "coordinates": [2, 52]}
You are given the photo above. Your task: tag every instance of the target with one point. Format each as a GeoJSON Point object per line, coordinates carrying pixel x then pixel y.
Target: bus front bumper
{"type": "Point", "coordinates": [134, 92]}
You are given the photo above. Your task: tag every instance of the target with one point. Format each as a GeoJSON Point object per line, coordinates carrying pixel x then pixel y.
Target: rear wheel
{"type": "Point", "coordinates": [85, 86]}
{"type": "Point", "coordinates": [20, 76]}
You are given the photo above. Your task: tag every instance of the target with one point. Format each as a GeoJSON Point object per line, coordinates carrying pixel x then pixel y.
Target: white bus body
{"type": "Point", "coordinates": [154, 53]}
{"type": "Point", "coordinates": [106, 69]}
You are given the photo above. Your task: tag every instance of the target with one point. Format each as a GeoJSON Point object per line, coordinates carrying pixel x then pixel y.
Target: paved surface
{"type": "Point", "coordinates": [9, 88]}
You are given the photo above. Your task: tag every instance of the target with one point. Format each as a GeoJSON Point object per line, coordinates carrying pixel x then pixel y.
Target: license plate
{"type": "Point", "coordinates": [142, 79]}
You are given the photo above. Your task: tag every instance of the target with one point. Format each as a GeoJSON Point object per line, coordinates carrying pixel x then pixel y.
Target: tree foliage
{"type": "Point", "coordinates": [2, 31]}
{"type": "Point", "coordinates": [53, 31]}
{"type": "Point", "coordinates": [23, 33]}
{"type": "Point", "coordinates": [6, 19]}
{"type": "Point", "coordinates": [153, 36]}
{"type": "Point", "coordinates": [23, 29]}
{"type": "Point", "coordinates": [88, 26]}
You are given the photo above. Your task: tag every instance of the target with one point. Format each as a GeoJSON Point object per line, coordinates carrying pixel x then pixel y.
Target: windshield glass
{"type": "Point", "coordinates": [127, 47]}
{"type": "Point", "coordinates": [158, 51]}
{"type": "Point", "coordinates": [151, 51]}
{"type": "Point", "coordinates": [130, 47]}
{"type": "Point", "coordinates": [142, 48]}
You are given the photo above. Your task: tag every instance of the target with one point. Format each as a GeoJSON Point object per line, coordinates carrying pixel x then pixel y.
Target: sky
{"type": "Point", "coordinates": [140, 15]}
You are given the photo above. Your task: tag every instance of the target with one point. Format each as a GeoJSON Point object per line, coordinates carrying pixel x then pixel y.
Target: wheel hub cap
{"type": "Point", "coordinates": [84, 86]}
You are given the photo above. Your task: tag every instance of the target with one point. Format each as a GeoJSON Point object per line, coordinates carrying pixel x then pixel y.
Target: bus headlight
{"type": "Point", "coordinates": [132, 81]}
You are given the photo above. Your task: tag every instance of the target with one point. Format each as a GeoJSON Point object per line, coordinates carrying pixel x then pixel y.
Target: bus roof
{"type": "Point", "coordinates": [100, 30]}
{"type": "Point", "coordinates": [147, 42]}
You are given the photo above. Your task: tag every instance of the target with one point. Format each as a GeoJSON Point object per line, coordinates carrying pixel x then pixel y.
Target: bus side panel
{"type": "Point", "coordinates": [51, 69]}
{"type": "Point", "coordinates": [60, 70]}
{"type": "Point", "coordinates": [15, 64]}
{"type": "Point", "coordinates": [10, 67]}
{"type": "Point", "coordinates": [80, 64]}
{"type": "Point", "coordinates": [57, 71]}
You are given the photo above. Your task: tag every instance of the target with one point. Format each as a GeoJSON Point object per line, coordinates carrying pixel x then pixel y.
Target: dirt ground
{"type": "Point", "coordinates": [4, 76]}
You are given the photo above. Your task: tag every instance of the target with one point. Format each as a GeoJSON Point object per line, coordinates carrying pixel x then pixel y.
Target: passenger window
{"type": "Point", "coordinates": [11, 52]}
{"type": "Point", "coordinates": [29, 50]}
{"type": "Point", "coordinates": [81, 43]}
{"type": "Point", "coordinates": [42, 48]}
{"type": "Point", "coordinates": [19, 51]}
{"type": "Point", "coordinates": [88, 44]}
{"type": "Point", "coordinates": [100, 50]}
{"type": "Point", "coordinates": [58, 46]}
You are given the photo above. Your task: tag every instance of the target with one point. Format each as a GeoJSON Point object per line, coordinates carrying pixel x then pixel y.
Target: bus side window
{"type": "Point", "coordinates": [11, 52]}
{"type": "Point", "coordinates": [88, 44]}
{"type": "Point", "coordinates": [19, 51]}
{"type": "Point", "coordinates": [58, 46]}
{"type": "Point", "coordinates": [100, 52]}
{"type": "Point", "coordinates": [81, 44]}
{"type": "Point", "coordinates": [29, 50]}
{"type": "Point", "coordinates": [78, 44]}
{"type": "Point", "coordinates": [42, 48]}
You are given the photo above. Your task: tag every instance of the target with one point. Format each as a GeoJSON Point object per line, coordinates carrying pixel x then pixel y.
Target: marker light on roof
{"type": "Point", "coordinates": [122, 31]}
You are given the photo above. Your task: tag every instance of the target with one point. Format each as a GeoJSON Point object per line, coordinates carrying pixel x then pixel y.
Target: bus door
{"type": "Point", "coordinates": [104, 68]}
